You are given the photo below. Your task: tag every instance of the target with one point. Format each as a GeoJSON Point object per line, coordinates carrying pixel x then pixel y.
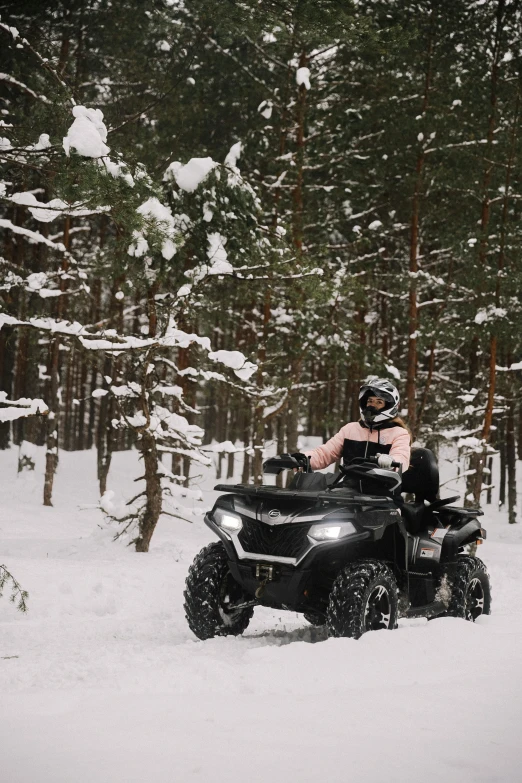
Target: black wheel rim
{"type": "Point", "coordinates": [229, 594]}
{"type": "Point", "coordinates": [377, 613]}
{"type": "Point", "coordinates": [474, 600]}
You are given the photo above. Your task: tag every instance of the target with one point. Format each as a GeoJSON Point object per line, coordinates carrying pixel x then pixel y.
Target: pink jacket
{"type": "Point", "coordinates": [332, 450]}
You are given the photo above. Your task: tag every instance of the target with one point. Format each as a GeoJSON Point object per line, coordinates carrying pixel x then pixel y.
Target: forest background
{"type": "Point", "coordinates": [306, 193]}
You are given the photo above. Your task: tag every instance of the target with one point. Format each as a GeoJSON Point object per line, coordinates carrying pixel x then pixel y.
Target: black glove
{"type": "Point", "coordinates": [301, 459]}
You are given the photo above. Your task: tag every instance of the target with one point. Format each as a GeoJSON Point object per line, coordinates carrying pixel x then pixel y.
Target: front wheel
{"type": "Point", "coordinates": [470, 589]}
{"type": "Point", "coordinates": [363, 598]}
{"type": "Point", "coordinates": [210, 594]}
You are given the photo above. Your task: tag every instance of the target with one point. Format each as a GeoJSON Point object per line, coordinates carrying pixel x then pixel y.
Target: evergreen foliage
{"type": "Point", "coordinates": [365, 219]}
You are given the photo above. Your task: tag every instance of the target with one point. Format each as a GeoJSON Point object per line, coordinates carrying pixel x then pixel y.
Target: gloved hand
{"type": "Point", "coordinates": [302, 459]}
{"type": "Point", "coordinates": [384, 461]}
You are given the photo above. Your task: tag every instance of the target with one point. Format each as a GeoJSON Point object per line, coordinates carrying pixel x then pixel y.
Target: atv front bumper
{"type": "Point", "coordinates": [287, 582]}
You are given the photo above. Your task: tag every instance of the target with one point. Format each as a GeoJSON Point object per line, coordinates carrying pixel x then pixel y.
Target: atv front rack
{"type": "Point", "coordinates": [340, 494]}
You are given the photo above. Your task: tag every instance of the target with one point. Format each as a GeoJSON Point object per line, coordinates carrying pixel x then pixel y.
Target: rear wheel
{"type": "Point", "coordinates": [470, 589]}
{"type": "Point", "coordinates": [210, 595]}
{"type": "Point", "coordinates": [363, 598]}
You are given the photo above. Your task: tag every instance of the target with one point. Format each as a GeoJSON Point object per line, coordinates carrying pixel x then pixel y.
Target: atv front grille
{"type": "Point", "coordinates": [276, 540]}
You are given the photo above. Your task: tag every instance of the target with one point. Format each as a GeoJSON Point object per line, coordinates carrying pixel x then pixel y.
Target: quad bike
{"type": "Point", "coordinates": [344, 549]}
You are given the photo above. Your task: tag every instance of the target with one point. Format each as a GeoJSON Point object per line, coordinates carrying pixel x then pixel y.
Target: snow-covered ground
{"type": "Point", "coordinates": [102, 681]}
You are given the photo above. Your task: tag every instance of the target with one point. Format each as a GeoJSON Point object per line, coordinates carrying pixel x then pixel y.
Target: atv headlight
{"type": "Point", "coordinates": [227, 520]}
{"type": "Point", "coordinates": [331, 532]}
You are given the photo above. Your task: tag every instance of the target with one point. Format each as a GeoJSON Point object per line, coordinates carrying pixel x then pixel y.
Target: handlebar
{"type": "Point", "coordinates": [373, 460]}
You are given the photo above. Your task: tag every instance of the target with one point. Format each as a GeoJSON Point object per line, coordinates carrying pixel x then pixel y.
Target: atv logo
{"type": "Point", "coordinates": [274, 513]}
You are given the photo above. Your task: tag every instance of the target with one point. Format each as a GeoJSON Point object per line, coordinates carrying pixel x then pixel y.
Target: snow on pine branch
{"type": "Point", "coordinates": [189, 176]}
{"type": "Point", "coordinates": [87, 136]}
{"type": "Point", "coordinates": [8, 79]}
{"type": "Point", "coordinates": [47, 212]}
{"type": "Point", "coordinates": [35, 237]}
{"type": "Point", "coordinates": [110, 340]}
{"type": "Point", "coordinates": [19, 409]}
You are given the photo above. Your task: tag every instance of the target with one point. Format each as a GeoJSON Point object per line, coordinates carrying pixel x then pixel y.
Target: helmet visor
{"type": "Point", "coordinates": [368, 391]}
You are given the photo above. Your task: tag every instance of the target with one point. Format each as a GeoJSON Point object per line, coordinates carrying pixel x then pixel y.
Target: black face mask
{"type": "Point", "coordinates": [370, 412]}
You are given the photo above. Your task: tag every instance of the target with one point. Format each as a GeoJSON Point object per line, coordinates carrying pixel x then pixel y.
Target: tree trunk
{"type": "Point", "coordinates": [259, 409]}
{"type": "Point", "coordinates": [292, 422]}
{"type": "Point", "coordinates": [478, 459]}
{"type": "Point", "coordinates": [280, 429]}
{"type": "Point", "coordinates": [230, 465]}
{"type": "Point", "coordinates": [6, 377]}
{"type": "Point", "coordinates": [511, 460]}
{"type": "Point", "coordinates": [502, 462]}
{"type": "Point", "coordinates": [297, 212]}
{"type": "Point", "coordinates": [245, 477]}
{"type": "Point", "coordinates": [51, 455]}
{"type": "Point", "coordinates": [490, 481]}
{"type": "Point", "coordinates": [82, 388]}
{"type": "Point", "coordinates": [519, 439]}
{"type": "Point", "coordinates": [152, 511]}
{"type": "Point", "coordinates": [413, 313]}
{"type": "Point", "coordinates": [104, 440]}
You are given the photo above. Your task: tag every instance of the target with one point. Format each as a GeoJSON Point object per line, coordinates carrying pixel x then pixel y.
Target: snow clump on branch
{"type": "Point", "coordinates": [88, 134]}
{"type": "Point", "coordinates": [188, 177]}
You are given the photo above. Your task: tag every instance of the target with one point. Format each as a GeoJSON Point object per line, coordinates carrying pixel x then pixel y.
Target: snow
{"type": "Point", "coordinates": [46, 212]}
{"type": "Point", "coordinates": [302, 77]}
{"type": "Point", "coordinates": [233, 155]}
{"type": "Point", "coordinates": [514, 366]}
{"type": "Point", "coordinates": [43, 142]}
{"type": "Point", "coordinates": [103, 681]}
{"type": "Point", "coordinates": [189, 176]}
{"type": "Point", "coordinates": [32, 236]}
{"type": "Point", "coordinates": [116, 170]}
{"type": "Point", "coordinates": [221, 448]}
{"type": "Point", "coordinates": [170, 226]}
{"type": "Point", "coordinates": [236, 361]}
{"type": "Point", "coordinates": [6, 77]}
{"type": "Point", "coordinates": [88, 134]}
{"type": "Point", "coordinates": [489, 313]}
{"type": "Point", "coordinates": [217, 255]}
{"type": "Point", "coordinates": [265, 109]}
{"type": "Point", "coordinates": [139, 245]}
{"type": "Point", "coordinates": [18, 409]}
{"type": "Point", "coordinates": [394, 372]}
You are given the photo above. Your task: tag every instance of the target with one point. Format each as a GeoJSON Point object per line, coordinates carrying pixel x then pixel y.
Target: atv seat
{"type": "Point", "coordinates": [309, 481]}
{"type": "Point", "coordinates": [416, 517]}
{"type": "Point", "coordinates": [422, 477]}
{"type": "Point", "coordinates": [422, 480]}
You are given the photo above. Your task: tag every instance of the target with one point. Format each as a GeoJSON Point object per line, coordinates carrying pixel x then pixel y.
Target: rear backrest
{"type": "Point", "coordinates": [310, 481]}
{"type": "Point", "coordinates": [422, 477]}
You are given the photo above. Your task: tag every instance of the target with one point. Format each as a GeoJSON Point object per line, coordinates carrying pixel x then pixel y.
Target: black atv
{"type": "Point", "coordinates": [344, 549]}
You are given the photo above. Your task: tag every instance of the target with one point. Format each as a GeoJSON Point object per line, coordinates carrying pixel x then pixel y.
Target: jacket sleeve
{"type": "Point", "coordinates": [329, 452]}
{"type": "Point", "coordinates": [400, 448]}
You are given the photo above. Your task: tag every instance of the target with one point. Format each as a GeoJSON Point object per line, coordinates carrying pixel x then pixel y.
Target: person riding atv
{"type": "Point", "coordinates": [379, 431]}
{"type": "Point", "coordinates": [343, 549]}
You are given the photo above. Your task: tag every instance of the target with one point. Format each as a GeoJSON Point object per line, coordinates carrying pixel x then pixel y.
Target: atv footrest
{"type": "Point", "coordinates": [428, 610]}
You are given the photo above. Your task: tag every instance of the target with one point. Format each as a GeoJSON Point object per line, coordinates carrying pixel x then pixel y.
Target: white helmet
{"type": "Point", "coordinates": [379, 387]}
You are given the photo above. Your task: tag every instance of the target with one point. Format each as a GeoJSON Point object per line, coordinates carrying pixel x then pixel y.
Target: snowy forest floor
{"type": "Point", "coordinates": [102, 681]}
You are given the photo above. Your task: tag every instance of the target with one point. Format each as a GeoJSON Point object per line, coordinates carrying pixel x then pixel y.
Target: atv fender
{"type": "Point", "coordinates": [459, 537]}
